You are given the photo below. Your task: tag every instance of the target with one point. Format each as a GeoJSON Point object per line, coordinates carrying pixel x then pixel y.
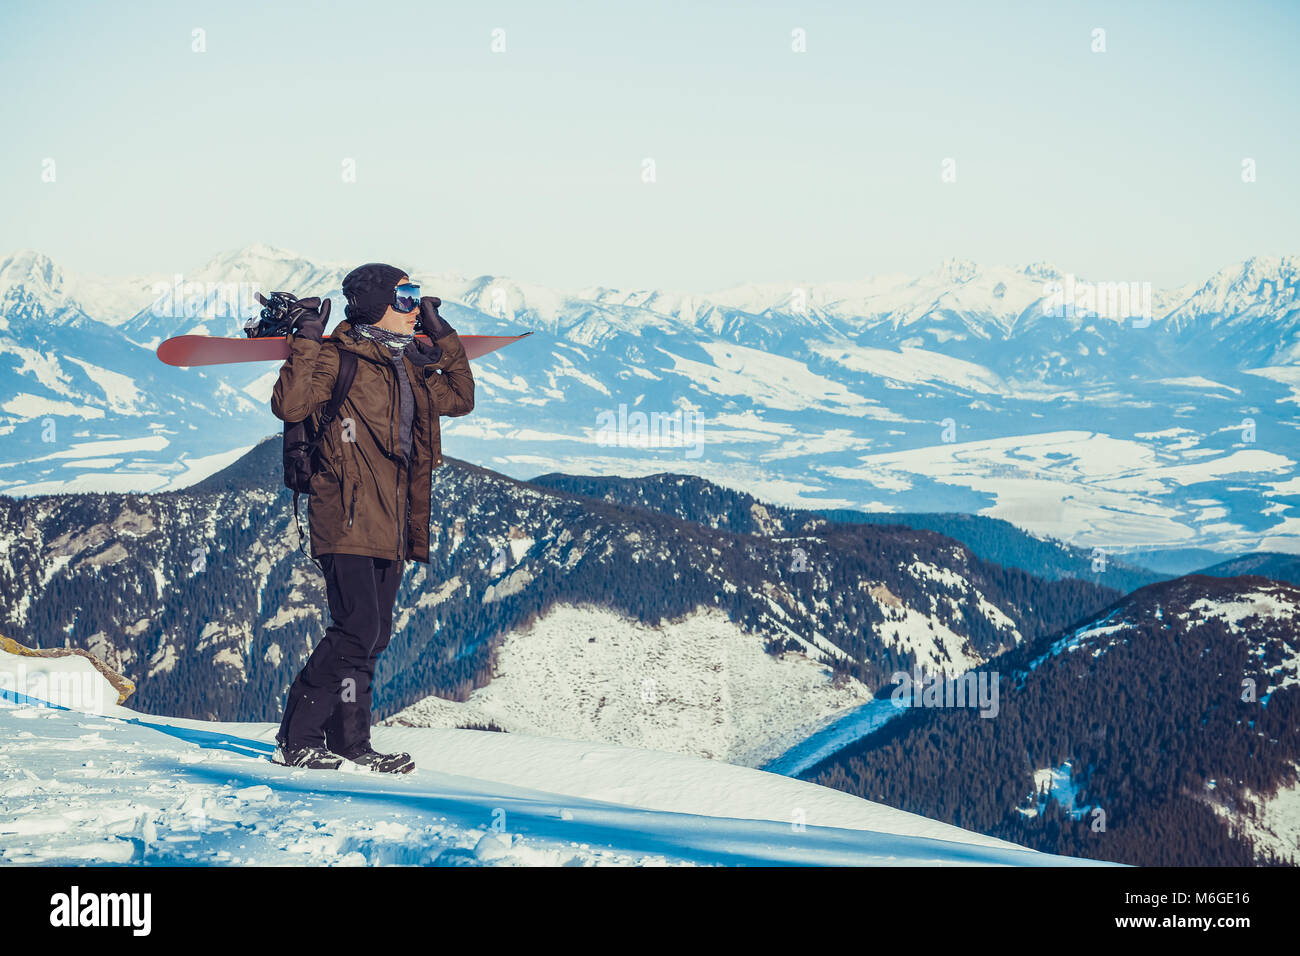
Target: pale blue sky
{"type": "Point", "coordinates": [771, 165]}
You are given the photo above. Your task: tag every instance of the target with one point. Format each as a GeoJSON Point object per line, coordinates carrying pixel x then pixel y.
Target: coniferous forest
{"type": "Point", "coordinates": [1148, 712]}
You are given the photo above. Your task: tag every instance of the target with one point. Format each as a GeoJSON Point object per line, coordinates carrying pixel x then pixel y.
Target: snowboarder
{"type": "Point", "coordinates": [369, 508]}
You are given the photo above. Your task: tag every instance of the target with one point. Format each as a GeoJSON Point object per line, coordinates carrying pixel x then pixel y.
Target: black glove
{"type": "Point", "coordinates": [309, 318]}
{"type": "Point", "coordinates": [431, 323]}
{"type": "Point", "coordinates": [423, 353]}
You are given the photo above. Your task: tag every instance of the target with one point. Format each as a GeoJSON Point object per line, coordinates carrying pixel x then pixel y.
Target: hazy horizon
{"type": "Point", "coordinates": [770, 165]}
{"type": "Point", "coordinates": [779, 282]}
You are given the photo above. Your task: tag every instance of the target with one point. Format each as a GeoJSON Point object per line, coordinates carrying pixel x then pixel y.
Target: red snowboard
{"type": "Point", "coordinates": [191, 350]}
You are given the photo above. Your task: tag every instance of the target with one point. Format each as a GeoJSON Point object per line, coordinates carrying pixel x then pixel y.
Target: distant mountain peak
{"type": "Point", "coordinates": [33, 269]}
{"type": "Point", "coordinates": [955, 270]}
{"type": "Point", "coordinates": [255, 253]}
{"type": "Point", "coordinates": [1043, 272]}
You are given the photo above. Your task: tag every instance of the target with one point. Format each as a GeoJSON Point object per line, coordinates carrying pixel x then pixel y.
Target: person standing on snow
{"type": "Point", "coordinates": [369, 507]}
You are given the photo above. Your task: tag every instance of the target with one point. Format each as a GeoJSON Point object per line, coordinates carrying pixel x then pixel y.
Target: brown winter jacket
{"type": "Point", "coordinates": [365, 501]}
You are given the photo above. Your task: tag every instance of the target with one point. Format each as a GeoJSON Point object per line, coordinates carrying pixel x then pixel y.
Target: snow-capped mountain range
{"type": "Point", "coordinates": [1109, 414]}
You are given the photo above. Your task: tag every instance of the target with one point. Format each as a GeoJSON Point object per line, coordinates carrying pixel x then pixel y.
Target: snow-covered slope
{"type": "Point", "coordinates": [701, 686]}
{"type": "Point", "coordinates": [1271, 822]}
{"type": "Point", "coordinates": [104, 784]}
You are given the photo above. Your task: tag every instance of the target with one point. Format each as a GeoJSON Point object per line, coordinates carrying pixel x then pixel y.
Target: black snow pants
{"type": "Point", "coordinates": [329, 702]}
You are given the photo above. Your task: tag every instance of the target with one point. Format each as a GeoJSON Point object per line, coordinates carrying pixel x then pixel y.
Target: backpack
{"type": "Point", "coordinates": [301, 448]}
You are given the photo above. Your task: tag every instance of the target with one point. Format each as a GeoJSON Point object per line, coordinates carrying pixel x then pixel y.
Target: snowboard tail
{"type": "Point", "coordinates": [187, 351]}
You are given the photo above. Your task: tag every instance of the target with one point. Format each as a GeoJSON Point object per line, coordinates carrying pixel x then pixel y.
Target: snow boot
{"type": "Point", "coordinates": [309, 758]}
{"type": "Point", "coordinates": [381, 763]}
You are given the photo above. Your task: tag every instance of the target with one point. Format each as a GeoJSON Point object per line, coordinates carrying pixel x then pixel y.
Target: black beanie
{"type": "Point", "coordinates": [369, 291]}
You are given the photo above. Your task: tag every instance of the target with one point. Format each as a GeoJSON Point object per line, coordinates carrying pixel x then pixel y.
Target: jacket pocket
{"type": "Point", "coordinates": [349, 500]}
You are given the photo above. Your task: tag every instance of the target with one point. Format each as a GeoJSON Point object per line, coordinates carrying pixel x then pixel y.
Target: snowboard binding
{"type": "Point", "coordinates": [276, 318]}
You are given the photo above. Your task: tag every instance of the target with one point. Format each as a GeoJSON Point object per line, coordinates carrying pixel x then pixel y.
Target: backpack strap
{"type": "Point", "coordinates": [297, 523]}
{"type": "Point", "coordinates": [342, 383]}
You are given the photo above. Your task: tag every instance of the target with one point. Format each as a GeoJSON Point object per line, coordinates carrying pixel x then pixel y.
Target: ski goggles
{"type": "Point", "coordinates": [406, 297]}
